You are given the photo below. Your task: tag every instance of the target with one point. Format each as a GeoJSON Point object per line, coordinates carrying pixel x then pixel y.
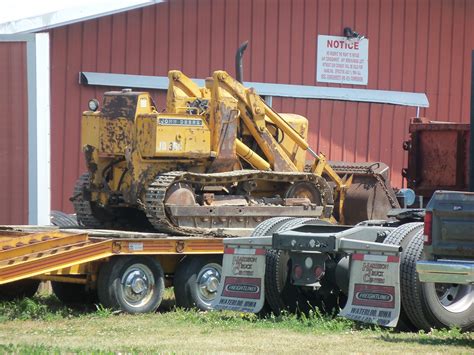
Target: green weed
{"type": "Point", "coordinates": [36, 308]}
{"type": "Point", "coordinates": [102, 311]}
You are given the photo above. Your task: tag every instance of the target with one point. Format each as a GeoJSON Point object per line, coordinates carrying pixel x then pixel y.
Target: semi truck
{"type": "Point", "coordinates": [409, 271]}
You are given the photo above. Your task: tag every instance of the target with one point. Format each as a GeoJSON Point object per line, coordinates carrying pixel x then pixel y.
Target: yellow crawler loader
{"type": "Point", "coordinates": [217, 157]}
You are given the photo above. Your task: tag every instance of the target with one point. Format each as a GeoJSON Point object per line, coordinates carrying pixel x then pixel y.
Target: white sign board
{"type": "Point", "coordinates": [374, 290]}
{"type": "Point", "coordinates": [342, 60]}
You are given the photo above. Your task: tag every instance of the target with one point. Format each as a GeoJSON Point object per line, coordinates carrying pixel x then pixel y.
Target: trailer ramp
{"type": "Point", "coordinates": [26, 254]}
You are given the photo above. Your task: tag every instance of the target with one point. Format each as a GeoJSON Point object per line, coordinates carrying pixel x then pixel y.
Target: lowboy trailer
{"type": "Point", "coordinates": [123, 270]}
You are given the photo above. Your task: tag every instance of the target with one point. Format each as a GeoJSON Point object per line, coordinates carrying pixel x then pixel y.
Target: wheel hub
{"type": "Point", "coordinates": [454, 297]}
{"type": "Point", "coordinates": [208, 282]}
{"type": "Point", "coordinates": [137, 285]}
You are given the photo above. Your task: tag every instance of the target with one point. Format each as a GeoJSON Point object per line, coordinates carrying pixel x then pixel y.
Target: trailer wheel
{"type": "Point", "coordinates": [68, 293]}
{"type": "Point", "coordinates": [196, 281]}
{"type": "Point", "coordinates": [433, 305]}
{"type": "Point", "coordinates": [402, 236]}
{"type": "Point", "coordinates": [280, 293]}
{"type": "Point", "coordinates": [18, 289]}
{"type": "Point", "coordinates": [133, 284]}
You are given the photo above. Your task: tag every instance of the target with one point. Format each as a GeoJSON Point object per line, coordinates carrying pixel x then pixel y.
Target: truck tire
{"type": "Point", "coordinates": [280, 293]}
{"type": "Point", "coordinates": [196, 281]}
{"type": "Point", "coordinates": [428, 305]}
{"type": "Point", "coordinates": [402, 236]}
{"type": "Point", "coordinates": [69, 293]}
{"type": "Point", "coordinates": [18, 289]}
{"type": "Point", "coordinates": [132, 284]}
{"type": "Point", "coordinates": [267, 227]}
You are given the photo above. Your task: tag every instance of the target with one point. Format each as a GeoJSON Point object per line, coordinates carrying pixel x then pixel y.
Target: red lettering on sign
{"type": "Point", "coordinates": [331, 43]}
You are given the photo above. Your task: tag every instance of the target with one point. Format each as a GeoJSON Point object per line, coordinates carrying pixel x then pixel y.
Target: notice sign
{"type": "Point", "coordinates": [342, 60]}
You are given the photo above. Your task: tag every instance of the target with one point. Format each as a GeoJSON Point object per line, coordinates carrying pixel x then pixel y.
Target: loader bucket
{"type": "Point", "coordinates": [370, 196]}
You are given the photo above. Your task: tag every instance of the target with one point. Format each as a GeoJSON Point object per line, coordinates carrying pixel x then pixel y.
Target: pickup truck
{"type": "Point", "coordinates": [446, 261]}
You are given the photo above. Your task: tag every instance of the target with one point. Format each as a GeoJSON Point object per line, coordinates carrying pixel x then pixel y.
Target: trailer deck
{"type": "Point", "coordinates": [33, 251]}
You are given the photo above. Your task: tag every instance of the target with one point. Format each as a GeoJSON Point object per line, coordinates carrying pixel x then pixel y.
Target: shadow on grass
{"type": "Point", "coordinates": [457, 339]}
{"type": "Point", "coordinates": [48, 306]}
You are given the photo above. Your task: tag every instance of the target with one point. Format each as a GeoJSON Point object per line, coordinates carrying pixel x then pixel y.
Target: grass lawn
{"type": "Point", "coordinates": [43, 325]}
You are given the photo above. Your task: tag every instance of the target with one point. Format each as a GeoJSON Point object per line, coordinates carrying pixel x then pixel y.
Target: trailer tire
{"type": "Point", "coordinates": [103, 289]}
{"type": "Point", "coordinates": [280, 293]}
{"type": "Point", "coordinates": [63, 220]}
{"type": "Point", "coordinates": [19, 289]}
{"type": "Point", "coordinates": [422, 300]}
{"type": "Point", "coordinates": [196, 281]}
{"type": "Point", "coordinates": [132, 284]}
{"type": "Point", "coordinates": [69, 293]}
{"type": "Point", "coordinates": [402, 236]}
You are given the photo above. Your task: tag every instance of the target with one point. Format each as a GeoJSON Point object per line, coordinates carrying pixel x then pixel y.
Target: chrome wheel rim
{"type": "Point", "coordinates": [137, 285]}
{"type": "Point", "coordinates": [454, 297]}
{"type": "Point", "coordinates": [208, 281]}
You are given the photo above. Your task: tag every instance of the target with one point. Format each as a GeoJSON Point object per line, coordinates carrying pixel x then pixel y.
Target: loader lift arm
{"type": "Point", "coordinates": [255, 114]}
{"type": "Point", "coordinates": [232, 99]}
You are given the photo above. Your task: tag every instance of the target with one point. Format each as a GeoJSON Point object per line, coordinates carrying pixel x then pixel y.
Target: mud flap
{"type": "Point", "coordinates": [374, 289]}
{"type": "Point", "coordinates": [242, 283]}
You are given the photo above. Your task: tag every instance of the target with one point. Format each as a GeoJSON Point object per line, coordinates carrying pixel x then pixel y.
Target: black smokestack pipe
{"type": "Point", "coordinates": [471, 130]}
{"type": "Point", "coordinates": [239, 68]}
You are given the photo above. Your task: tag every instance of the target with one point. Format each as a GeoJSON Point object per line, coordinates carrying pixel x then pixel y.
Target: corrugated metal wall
{"type": "Point", "coordinates": [415, 45]}
{"type": "Point", "coordinates": [13, 134]}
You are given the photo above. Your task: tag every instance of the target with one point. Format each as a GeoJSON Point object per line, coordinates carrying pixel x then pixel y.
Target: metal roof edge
{"type": "Point", "coordinates": [71, 15]}
{"type": "Point", "coordinates": [264, 89]}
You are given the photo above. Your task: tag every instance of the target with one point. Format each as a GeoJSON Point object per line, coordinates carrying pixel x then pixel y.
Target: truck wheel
{"type": "Point", "coordinates": [72, 293]}
{"type": "Point", "coordinates": [196, 281]}
{"type": "Point", "coordinates": [433, 305]}
{"type": "Point", "coordinates": [451, 304]}
{"type": "Point", "coordinates": [402, 236]}
{"type": "Point", "coordinates": [18, 289]}
{"type": "Point", "coordinates": [280, 293]}
{"type": "Point", "coordinates": [133, 284]}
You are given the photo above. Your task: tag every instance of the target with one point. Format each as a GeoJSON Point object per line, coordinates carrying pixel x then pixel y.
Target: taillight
{"type": "Point", "coordinates": [428, 228]}
{"type": "Point", "coordinates": [297, 272]}
{"type": "Point", "coordinates": [318, 272]}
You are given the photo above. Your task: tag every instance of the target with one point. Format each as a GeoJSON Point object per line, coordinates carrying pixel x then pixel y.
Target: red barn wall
{"type": "Point", "coordinates": [13, 134]}
{"type": "Point", "coordinates": [418, 46]}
